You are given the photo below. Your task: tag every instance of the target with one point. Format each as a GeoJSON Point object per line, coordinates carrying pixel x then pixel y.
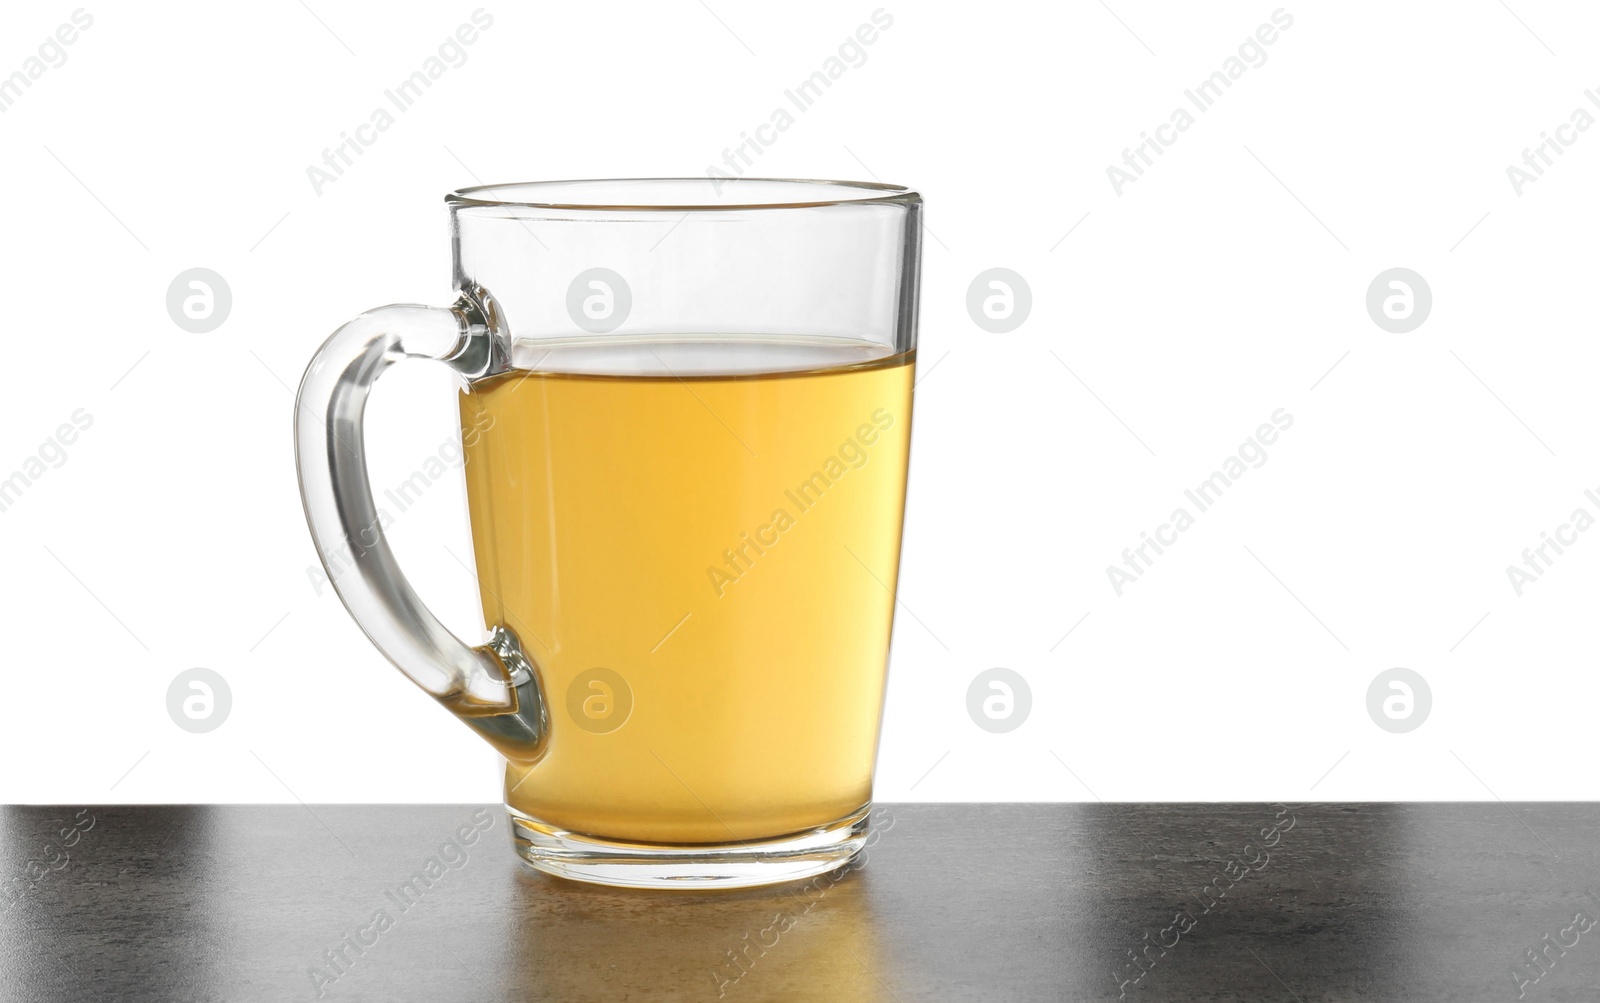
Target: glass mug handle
{"type": "Point", "coordinates": [493, 687]}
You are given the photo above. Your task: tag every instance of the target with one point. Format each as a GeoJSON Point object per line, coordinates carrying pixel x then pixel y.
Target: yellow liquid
{"type": "Point", "coordinates": [727, 547]}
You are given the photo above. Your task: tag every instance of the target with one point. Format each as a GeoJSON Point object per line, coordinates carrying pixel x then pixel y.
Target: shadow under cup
{"type": "Point", "coordinates": [686, 417]}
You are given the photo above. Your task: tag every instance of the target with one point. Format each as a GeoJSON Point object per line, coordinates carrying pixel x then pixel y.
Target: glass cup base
{"type": "Point", "coordinates": [646, 865]}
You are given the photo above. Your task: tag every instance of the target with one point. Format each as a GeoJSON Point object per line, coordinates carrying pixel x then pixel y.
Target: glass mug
{"type": "Point", "coordinates": [686, 416]}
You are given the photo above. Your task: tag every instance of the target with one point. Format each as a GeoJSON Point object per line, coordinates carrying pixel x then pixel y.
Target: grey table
{"type": "Point", "coordinates": [955, 902]}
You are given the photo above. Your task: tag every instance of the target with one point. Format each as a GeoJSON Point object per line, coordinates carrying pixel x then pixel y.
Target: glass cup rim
{"type": "Point", "coordinates": [636, 194]}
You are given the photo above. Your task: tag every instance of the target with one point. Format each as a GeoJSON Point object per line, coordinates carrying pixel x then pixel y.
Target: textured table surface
{"type": "Point", "coordinates": [954, 902]}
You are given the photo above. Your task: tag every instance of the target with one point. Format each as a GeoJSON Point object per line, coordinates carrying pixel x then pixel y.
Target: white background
{"type": "Point", "coordinates": [1224, 284]}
